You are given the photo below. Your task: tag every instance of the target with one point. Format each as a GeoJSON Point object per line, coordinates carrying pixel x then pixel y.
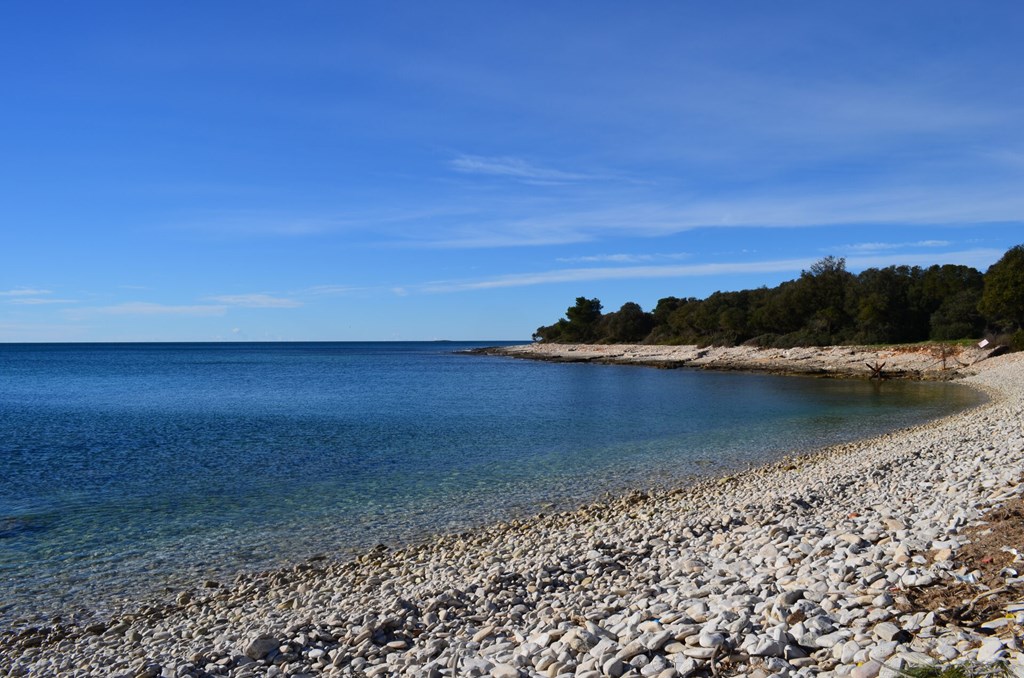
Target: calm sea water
{"type": "Point", "coordinates": [131, 469]}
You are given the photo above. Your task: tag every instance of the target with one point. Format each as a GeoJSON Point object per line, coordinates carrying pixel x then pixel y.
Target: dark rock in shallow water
{"type": "Point", "coordinates": [13, 526]}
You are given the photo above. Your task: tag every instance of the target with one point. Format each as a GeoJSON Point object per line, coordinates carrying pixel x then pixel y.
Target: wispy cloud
{"type": "Point", "coordinates": [24, 292]}
{"type": "Point", "coordinates": [977, 258]}
{"type": "Point", "coordinates": [332, 289]}
{"type": "Point", "coordinates": [28, 296]}
{"type": "Point", "coordinates": [588, 214]}
{"type": "Point", "coordinates": [884, 246]}
{"type": "Point", "coordinates": [39, 301]}
{"type": "Point", "coordinates": [516, 169]}
{"type": "Point", "coordinates": [848, 114]}
{"type": "Point", "coordinates": [256, 301]}
{"type": "Point", "coordinates": [366, 221]}
{"type": "Point", "coordinates": [618, 273]}
{"type": "Point", "coordinates": [938, 206]}
{"type": "Point", "coordinates": [147, 308]}
{"type": "Point", "coordinates": [622, 258]}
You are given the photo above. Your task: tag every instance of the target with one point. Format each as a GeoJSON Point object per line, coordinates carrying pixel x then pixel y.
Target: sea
{"type": "Point", "coordinates": [129, 471]}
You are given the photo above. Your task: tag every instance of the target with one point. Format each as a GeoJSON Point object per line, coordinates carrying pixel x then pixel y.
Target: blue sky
{"type": "Point", "coordinates": [464, 170]}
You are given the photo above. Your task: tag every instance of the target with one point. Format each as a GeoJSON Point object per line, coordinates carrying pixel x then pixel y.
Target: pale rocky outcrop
{"type": "Point", "coordinates": [908, 362]}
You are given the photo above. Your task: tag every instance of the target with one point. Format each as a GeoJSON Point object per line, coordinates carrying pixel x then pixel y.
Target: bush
{"type": "Point", "coordinates": [763, 341]}
{"type": "Point", "coordinates": [1017, 341]}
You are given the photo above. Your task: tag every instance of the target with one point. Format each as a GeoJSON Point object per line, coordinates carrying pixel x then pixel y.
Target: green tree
{"type": "Point", "coordinates": [585, 312]}
{"type": "Point", "coordinates": [729, 319]}
{"type": "Point", "coordinates": [783, 310]}
{"type": "Point", "coordinates": [829, 289]}
{"type": "Point", "coordinates": [581, 324]}
{"type": "Point", "coordinates": [937, 283]}
{"type": "Point", "coordinates": [825, 305]}
{"type": "Point", "coordinates": [678, 326]}
{"type": "Point", "coordinates": [880, 304]}
{"type": "Point", "coordinates": [1002, 301]}
{"type": "Point", "coordinates": [665, 308]}
{"type": "Point", "coordinates": [958, 317]}
{"type": "Point", "coordinates": [584, 319]}
{"type": "Point", "coordinates": [551, 333]}
{"type": "Point", "coordinates": [628, 325]}
{"type": "Point", "coordinates": [811, 309]}
{"type": "Point", "coordinates": [945, 298]}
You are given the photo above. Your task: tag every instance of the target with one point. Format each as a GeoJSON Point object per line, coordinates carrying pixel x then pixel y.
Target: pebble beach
{"type": "Point", "coordinates": [846, 561]}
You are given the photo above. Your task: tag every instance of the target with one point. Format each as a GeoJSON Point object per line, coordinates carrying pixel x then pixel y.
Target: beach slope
{"type": "Point", "coordinates": [855, 560]}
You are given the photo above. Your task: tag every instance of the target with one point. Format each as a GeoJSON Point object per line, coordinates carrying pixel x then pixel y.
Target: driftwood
{"type": "Point", "coordinates": [876, 370]}
{"type": "Point", "coordinates": [945, 353]}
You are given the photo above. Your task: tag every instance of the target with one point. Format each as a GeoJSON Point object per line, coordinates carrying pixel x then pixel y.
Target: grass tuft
{"type": "Point", "coordinates": [959, 670]}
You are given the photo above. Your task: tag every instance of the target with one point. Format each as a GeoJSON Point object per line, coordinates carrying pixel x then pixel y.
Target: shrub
{"type": "Point", "coordinates": [1017, 341]}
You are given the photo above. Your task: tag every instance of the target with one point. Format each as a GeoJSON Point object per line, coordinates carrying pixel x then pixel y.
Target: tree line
{"type": "Point", "coordinates": [826, 305]}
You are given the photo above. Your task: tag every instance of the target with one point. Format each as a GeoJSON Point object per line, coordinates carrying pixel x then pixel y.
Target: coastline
{"type": "Point", "coordinates": [808, 556]}
{"type": "Point", "coordinates": [895, 362]}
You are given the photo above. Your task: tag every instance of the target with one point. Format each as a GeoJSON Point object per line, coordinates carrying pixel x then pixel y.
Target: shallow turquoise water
{"type": "Point", "coordinates": [131, 468]}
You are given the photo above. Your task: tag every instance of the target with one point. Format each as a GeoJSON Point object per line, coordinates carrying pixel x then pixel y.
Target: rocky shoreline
{"type": "Point", "coordinates": [849, 561]}
{"type": "Point", "coordinates": [895, 362]}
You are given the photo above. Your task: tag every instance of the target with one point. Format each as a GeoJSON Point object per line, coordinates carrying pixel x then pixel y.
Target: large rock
{"type": "Point", "coordinates": [260, 646]}
{"type": "Point", "coordinates": [869, 669]}
{"type": "Point", "coordinates": [888, 631]}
